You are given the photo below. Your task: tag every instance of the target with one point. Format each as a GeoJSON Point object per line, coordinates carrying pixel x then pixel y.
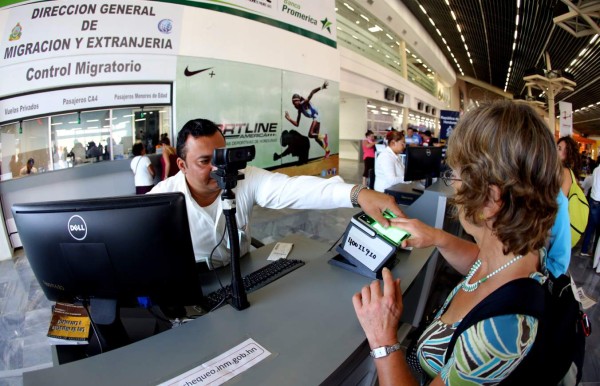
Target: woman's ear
{"type": "Point", "coordinates": [494, 202]}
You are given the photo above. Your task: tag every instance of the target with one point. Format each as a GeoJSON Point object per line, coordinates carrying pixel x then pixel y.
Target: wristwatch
{"type": "Point", "coordinates": [354, 194]}
{"type": "Point", "coordinates": [384, 351]}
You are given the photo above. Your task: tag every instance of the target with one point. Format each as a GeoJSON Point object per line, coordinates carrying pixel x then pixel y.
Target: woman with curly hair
{"type": "Point", "coordinates": [506, 177]}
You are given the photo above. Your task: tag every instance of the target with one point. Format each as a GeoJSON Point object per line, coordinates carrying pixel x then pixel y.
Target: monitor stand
{"type": "Point", "coordinates": [109, 332]}
{"type": "Point", "coordinates": [428, 182]}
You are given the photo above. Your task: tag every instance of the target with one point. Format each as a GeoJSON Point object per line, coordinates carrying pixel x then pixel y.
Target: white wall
{"type": "Point", "coordinates": [353, 125]}
{"type": "Point", "coordinates": [353, 117]}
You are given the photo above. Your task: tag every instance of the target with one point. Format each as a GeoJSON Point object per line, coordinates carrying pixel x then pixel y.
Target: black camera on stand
{"type": "Point", "coordinates": [228, 162]}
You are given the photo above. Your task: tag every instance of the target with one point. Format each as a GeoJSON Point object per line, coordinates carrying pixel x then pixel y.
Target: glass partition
{"type": "Point", "coordinates": [75, 139]}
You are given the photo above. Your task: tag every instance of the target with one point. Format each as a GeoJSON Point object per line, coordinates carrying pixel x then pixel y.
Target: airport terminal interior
{"type": "Point", "coordinates": [388, 64]}
{"type": "Point", "coordinates": [25, 312]}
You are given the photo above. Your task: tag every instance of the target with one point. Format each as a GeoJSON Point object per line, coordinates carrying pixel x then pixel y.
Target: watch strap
{"type": "Point", "coordinates": [354, 194]}
{"type": "Point", "coordinates": [384, 351]}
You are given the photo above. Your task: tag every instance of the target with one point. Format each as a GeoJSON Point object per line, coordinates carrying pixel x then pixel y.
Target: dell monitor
{"type": "Point", "coordinates": [422, 163]}
{"type": "Point", "coordinates": [113, 252]}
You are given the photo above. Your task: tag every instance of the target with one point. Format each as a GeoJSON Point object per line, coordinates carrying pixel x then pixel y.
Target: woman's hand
{"type": "Point", "coordinates": [379, 313]}
{"type": "Point", "coordinates": [325, 84]}
{"type": "Point", "coordinates": [374, 203]}
{"type": "Point", "coordinates": [421, 235]}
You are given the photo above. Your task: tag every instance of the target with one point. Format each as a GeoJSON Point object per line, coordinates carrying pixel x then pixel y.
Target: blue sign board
{"type": "Point", "coordinates": [448, 120]}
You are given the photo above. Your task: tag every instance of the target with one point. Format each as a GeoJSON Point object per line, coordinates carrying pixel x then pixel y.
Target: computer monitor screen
{"type": "Point", "coordinates": [422, 163]}
{"type": "Point", "coordinates": [116, 248]}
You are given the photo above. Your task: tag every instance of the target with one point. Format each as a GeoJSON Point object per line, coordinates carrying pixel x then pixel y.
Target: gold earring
{"type": "Point", "coordinates": [481, 216]}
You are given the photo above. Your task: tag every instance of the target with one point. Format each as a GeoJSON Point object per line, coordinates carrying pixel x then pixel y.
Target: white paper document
{"type": "Point", "coordinates": [224, 367]}
{"type": "Point", "coordinates": [581, 297]}
{"type": "Point", "coordinates": [280, 251]}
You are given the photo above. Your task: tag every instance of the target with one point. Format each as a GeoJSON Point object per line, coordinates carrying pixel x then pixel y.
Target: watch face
{"type": "Point", "coordinates": [384, 351]}
{"type": "Point", "coordinates": [379, 352]}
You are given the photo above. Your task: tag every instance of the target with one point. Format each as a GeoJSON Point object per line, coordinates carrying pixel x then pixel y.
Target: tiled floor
{"type": "Point", "coordinates": [24, 311]}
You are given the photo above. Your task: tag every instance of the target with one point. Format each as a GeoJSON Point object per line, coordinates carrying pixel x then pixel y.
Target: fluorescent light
{"type": "Point", "coordinates": [364, 17]}
{"type": "Point", "coordinates": [375, 28]}
{"type": "Point", "coordinates": [349, 7]}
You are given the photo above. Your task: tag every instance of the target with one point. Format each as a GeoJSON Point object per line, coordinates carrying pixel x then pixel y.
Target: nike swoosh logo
{"type": "Point", "coordinates": [187, 72]}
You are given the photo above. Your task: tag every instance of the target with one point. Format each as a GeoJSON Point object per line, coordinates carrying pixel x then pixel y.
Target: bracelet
{"type": "Point", "coordinates": [354, 195]}
{"type": "Point", "coordinates": [384, 351]}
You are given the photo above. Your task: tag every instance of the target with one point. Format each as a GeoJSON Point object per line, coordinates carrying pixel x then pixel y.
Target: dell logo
{"type": "Point", "coordinates": [428, 152]}
{"type": "Point", "coordinates": [77, 227]}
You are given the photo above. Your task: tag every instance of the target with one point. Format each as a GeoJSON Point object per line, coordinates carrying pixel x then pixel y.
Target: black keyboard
{"type": "Point", "coordinates": [254, 280]}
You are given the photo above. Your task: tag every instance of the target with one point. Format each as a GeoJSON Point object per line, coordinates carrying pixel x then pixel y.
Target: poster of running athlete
{"type": "Point", "coordinates": [310, 128]}
{"type": "Point", "coordinates": [291, 118]}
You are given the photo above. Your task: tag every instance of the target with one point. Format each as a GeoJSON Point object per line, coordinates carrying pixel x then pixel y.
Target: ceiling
{"type": "Point", "coordinates": [489, 27]}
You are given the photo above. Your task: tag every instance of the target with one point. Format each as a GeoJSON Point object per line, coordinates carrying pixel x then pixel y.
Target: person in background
{"type": "Point", "coordinates": [142, 168]}
{"type": "Point", "coordinates": [368, 147]}
{"type": "Point", "coordinates": [196, 143]}
{"type": "Point", "coordinates": [592, 230]}
{"type": "Point", "coordinates": [412, 137]}
{"type": "Point", "coordinates": [389, 168]}
{"type": "Point", "coordinates": [78, 153]}
{"type": "Point", "coordinates": [507, 202]}
{"type": "Point", "coordinates": [428, 139]}
{"type": "Point", "coordinates": [568, 152]}
{"type": "Point", "coordinates": [168, 160]}
{"type": "Point", "coordinates": [28, 168]}
{"type": "Point", "coordinates": [559, 246]}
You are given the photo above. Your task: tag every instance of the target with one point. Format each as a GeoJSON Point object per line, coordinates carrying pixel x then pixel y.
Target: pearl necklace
{"type": "Point", "coordinates": [472, 287]}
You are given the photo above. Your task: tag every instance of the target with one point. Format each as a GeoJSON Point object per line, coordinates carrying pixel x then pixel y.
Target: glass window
{"type": "Point", "coordinates": [25, 148]}
{"type": "Point", "coordinates": [75, 139]}
{"type": "Point", "coordinates": [361, 32]}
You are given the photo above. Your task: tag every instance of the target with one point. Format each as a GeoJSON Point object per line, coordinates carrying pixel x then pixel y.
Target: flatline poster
{"type": "Point", "coordinates": [249, 103]}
